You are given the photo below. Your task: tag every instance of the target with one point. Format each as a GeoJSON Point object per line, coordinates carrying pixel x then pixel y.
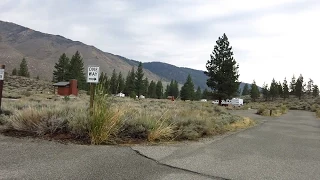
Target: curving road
{"type": "Point", "coordinates": [287, 147]}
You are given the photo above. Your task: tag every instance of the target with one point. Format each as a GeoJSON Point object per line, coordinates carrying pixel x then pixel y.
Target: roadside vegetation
{"type": "Point", "coordinates": [118, 120]}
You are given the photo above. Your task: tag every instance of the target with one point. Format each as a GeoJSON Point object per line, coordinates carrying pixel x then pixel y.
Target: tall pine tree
{"type": "Point", "coordinates": [114, 82]}
{"type": "Point", "coordinates": [266, 92]}
{"type": "Point", "coordinates": [152, 90]}
{"type": "Point", "coordinates": [280, 89]}
{"type": "Point", "coordinates": [205, 94]}
{"type": "Point", "coordinates": [299, 87]}
{"type": "Point", "coordinates": [130, 86]}
{"type": "Point", "coordinates": [309, 86]}
{"type": "Point", "coordinates": [61, 69]}
{"type": "Point", "coordinates": [159, 90]}
{"type": "Point", "coordinates": [315, 91]}
{"type": "Point", "coordinates": [293, 85]}
{"type": "Point", "coordinates": [120, 83]}
{"type": "Point", "coordinates": [254, 93]}
{"type": "Point", "coordinates": [285, 89]}
{"type": "Point", "coordinates": [14, 72]}
{"type": "Point", "coordinates": [139, 85]}
{"type": "Point", "coordinates": [273, 89]}
{"type": "Point", "coordinates": [222, 70]}
{"type": "Point", "coordinates": [197, 95]}
{"type": "Point", "coordinates": [145, 87]}
{"type": "Point", "coordinates": [76, 70]}
{"type": "Point", "coordinates": [187, 90]}
{"type": "Point", "coordinates": [23, 71]}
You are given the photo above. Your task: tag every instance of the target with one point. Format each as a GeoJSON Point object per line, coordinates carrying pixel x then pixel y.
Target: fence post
{"type": "Point", "coordinates": [2, 67]}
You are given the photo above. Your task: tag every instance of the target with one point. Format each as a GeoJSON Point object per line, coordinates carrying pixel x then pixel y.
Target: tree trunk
{"type": "Point", "coordinates": [220, 99]}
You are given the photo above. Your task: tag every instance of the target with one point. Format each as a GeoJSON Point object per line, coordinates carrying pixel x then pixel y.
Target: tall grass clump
{"type": "Point", "coordinates": [105, 120]}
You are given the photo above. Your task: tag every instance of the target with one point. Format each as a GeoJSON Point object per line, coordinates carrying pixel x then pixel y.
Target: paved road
{"type": "Point", "coordinates": [287, 147]}
{"type": "Point", "coordinates": [282, 148]}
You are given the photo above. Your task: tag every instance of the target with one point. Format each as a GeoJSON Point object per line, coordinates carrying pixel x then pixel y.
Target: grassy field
{"type": "Point", "coordinates": [116, 120]}
{"type": "Point", "coordinates": [280, 106]}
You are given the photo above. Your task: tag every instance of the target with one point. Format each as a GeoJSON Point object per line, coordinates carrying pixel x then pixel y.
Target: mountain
{"type": "Point", "coordinates": [42, 51]}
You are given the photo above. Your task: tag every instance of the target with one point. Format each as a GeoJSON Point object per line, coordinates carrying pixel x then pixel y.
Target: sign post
{"type": "Point", "coordinates": [1, 84]}
{"type": "Point", "coordinates": [92, 78]}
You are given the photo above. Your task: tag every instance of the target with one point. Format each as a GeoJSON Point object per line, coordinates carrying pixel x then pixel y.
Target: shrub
{"type": "Point", "coordinates": [318, 113]}
{"type": "Point", "coordinates": [104, 121]}
{"type": "Point", "coordinates": [26, 93]}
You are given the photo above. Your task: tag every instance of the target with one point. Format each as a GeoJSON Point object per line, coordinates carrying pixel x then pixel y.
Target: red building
{"type": "Point", "coordinates": [66, 88]}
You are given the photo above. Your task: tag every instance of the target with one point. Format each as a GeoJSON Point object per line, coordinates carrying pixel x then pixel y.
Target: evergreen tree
{"type": "Point", "coordinates": [14, 72]}
{"type": "Point", "coordinates": [205, 94]}
{"type": "Point", "coordinates": [139, 80]}
{"type": "Point", "coordinates": [171, 88]}
{"type": "Point", "coordinates": [159, 90]}
{"type": "Point", "coordinates": [76, 70]}
{"type": "Point", "coordinates": [37, 77]}
{"type": "Point", "coordinates": [309, 86]}
{"type": "Point", "coordinates": [23, 71]}
{"type": "Point", "coordinates": [254, 93]}
{"type": "Point", "coordinates": [280, 89]}
{"type": "Point", "coordinates": [273, 89]}
{"type": "Point", "coordinates": [245, 90]}
{"type": "Point", "coordinates": [187, 90]}
{"type": "Point", "coordinates": [285, 89]}
{"type": "Point", "coordinates": [104, 82]}
{"type": "Point", "coordinates": [265, 92]}
{"type": "Point", "coordinates": [175, 89]}
{"type": "Point", "coordinates": [152, 90]}
{"type": "Point", "coordinates": [166, 92]}
{"type": "Point", "coordinates": [293, 85]}
{"type": "Point", "coordinates": [120, 83]}
{"type": "Point", "coordinates": [198, 94]}
{"type": "Point", "coordinates": [315, 91]}
{"type": "Point", "coordinates": [222, 70]}
{"type": "Point", "coordinates": [130, 86]}
{"type": "Point", "coordinates": [61, 69]}
{"type": "Point", "coordinates": [299, 87]}
{"type": "Point", "coordinates": [114, 82]}
{"type": "Point", "coordinates": [145, 86]}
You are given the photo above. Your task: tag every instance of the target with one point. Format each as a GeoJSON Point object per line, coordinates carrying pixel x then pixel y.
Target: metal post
{"type": "Point", "coordinates": [1, 86]}
{"type": "Point", "coordinates": [92, 92]}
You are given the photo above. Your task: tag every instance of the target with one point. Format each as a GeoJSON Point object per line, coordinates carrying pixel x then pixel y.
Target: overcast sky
{"type": "Point", "coordinates": [270, 38]}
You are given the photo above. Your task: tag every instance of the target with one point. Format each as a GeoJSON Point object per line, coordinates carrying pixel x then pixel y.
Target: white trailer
{"type": "Point", "coordinates": [233, 102]}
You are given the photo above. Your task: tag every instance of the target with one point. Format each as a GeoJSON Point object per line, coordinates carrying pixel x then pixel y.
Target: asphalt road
{"type": "Point", "coordinates": [287, 147]}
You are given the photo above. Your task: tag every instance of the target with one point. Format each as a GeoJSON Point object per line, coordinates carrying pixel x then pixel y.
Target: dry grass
{"type": "Point", "coordinates": [318, 113]}
{"type": "Point", "coordinates": [116, 120]}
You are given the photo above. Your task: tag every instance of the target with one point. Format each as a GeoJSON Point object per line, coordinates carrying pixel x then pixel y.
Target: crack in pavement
{"type": "Point", "coordinates": [178, 168]}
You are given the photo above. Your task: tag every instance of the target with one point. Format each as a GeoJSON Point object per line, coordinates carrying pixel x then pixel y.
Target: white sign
{"type": "Point", "coordinates": [93, 74]}
{"type": "Point", "coordinates": [1, 74]}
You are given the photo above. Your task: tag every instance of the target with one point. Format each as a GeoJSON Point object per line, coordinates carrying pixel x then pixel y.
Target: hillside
{"type": "Point", "coordinates": [42, 51]}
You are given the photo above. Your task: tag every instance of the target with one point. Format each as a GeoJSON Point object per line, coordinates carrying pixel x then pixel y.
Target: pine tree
{"type": "Point", "coordinates": [265, 91]}
{"type": "Point", "coordinates": [187, 90]}
{"type": "Point", "coordinates": [222, 70]}
{"type": "Point", "coordinates": [285, 89]}
{"type": "Point", "coordinates": [205, 94]}
{"type": "Point", "coordinates": [293, 85]}
{"type": "Point", "coordinates": [159, 90]}
{"type": "Point", "coordinates": [315, 91]}
{"type": "Point", "coordinates": [76, 71]}
{"type": "Point", "coordinates": [280, 89]}
{"type": "Point", "coordinates": [197, 95]}
{"type": "Point", "coordinates": [61, 69]}
{"type": "Point", "coordinates": [175, 89]}
{"type": "Point", "coordinates": [152, 90]}
{"type": "Point", "coordinates": [114, 82]}
{"type": "Point", "coordinates": [166, 92]}
{"type": "Point", "coordinates": [37, 77]}
{"type": "Point", "coordinates": [309, 86]}
{"type": "Point", "coordinates": [254, 93]}
{"type": "Point", "coordinates": [120, 83]}
{"type": "Point", "coordinates": [14, 72]}
{"type": "Point", "coordinates": [23, 71]}
{"type": "Point", "coordinates": [130, 86]}
{"type": "Point", "coordinates": [245, 90]}
{"type": "Point", "coordinates": [145, 86]}
{"type": "Point", "coordinates": [299, 87]}
{"type": "Point", "coordinates": [139, 80]}
{"type": "Point", "coordinates": [171, 88]}
{"type": "Point", "coordinates": [273, 89]}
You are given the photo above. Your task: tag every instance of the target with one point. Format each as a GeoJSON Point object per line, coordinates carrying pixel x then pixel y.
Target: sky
{"type": "Point", "coordinates": [269, 38]}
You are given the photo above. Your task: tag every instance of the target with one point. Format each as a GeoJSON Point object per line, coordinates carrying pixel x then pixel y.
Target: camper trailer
{"type": "Point", "coordinates": [227, 102]}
